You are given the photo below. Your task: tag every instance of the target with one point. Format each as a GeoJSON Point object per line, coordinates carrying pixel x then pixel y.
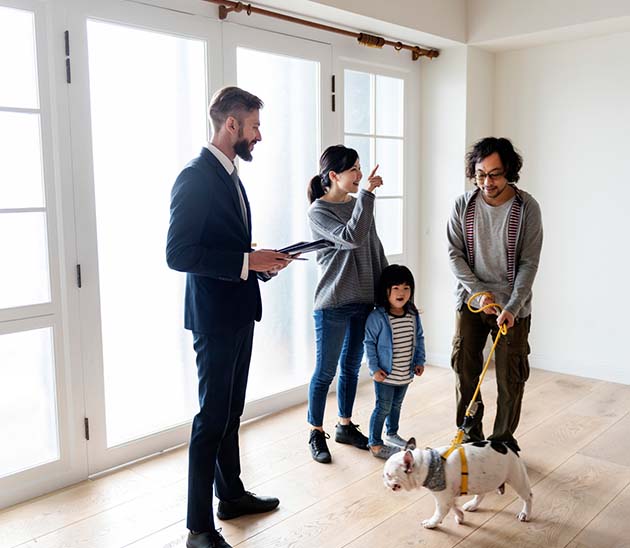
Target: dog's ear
{"type": "Point", "coordinates": [408, 462]}
{"type": "Point", "coordinates": [411, 444]}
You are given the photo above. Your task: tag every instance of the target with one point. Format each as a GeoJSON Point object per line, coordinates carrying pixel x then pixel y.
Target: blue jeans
{"type": "Point", "coordinates": [339, 334]}
{"type": "Point", "coordinates": [389, 400]}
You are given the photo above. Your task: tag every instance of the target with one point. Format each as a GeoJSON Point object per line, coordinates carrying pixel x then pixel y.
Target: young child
{"type": "Point", "coordinates": [394, 346]}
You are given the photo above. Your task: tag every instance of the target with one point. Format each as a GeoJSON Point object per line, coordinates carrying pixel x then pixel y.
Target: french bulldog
{"type": "Point", "coordinates": [491, 465]}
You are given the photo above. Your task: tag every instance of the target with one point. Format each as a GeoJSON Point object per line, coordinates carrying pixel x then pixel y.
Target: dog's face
{"type": "Point", "coordinates": [399, 468]}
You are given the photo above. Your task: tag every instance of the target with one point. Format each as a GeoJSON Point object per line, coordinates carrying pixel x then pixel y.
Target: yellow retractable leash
{"type": "Point", "coordinates": [472, 406]}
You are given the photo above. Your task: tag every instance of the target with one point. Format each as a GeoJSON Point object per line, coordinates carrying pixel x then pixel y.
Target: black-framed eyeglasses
{"type": "Point", "coordinates": [480, 176]}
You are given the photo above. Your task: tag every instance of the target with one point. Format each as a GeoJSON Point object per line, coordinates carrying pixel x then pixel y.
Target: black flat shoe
{"type": "Point", "coordinates": [249, 503]}
{"type": "Point", "coordinates": [351, 435]}
{"type": "Point", "coordinates": [213, 539]}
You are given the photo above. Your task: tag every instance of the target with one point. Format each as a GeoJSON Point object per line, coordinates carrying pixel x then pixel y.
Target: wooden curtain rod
{"type": "Point", "coordinates": [227, 6]}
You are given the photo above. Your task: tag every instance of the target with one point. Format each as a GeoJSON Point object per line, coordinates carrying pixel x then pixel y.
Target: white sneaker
{"type": "Point", "coordinates": [395, 440]}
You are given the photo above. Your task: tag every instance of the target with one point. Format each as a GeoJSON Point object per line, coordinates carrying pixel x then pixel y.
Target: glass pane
{"type": "Point", "coordinates": [283, 343]}
{"type": "Point", "coordinates": [28, 427]}
{"type": "Point", "coordinates": [389, 106]}
{"type": "Point", "coordinates": [389, 224]}
{"type": "Point", "coordinates": [21, 182]}
{"type": "Point", "coordinates": [357, 103]}
{"type": "Point", "coordinates": [146, 125]}
{"type": "Point", "coordinates": [24, 276]}
{"type": "Point", "coordinates": [17, 59]}
{"type": "Point", "coordinates": [389, 156]}
{"type": "Point", "coordinates": [363, 148]}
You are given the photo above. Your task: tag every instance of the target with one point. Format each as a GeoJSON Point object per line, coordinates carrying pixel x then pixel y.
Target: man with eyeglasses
{"type": "Point", "coordinates": [494, 241]}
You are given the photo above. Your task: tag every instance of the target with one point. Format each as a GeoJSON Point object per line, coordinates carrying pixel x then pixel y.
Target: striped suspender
{"type": "Point", "coordinates": [470, 229]}
{"type": "Point", "coordinates": [514, 222]}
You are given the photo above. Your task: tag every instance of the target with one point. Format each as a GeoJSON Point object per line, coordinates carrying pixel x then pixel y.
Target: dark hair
{"type": "Point", "coordinates": [231, 101]}
{"type": "Point", "coordinates": [512, 161]}
{"type": "Point", "coordinates": [395, 274]}
{"type": "Point", "coordinates": [335, 158]}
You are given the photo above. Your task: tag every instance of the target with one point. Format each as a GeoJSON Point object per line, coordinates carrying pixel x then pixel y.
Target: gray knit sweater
{"type": "Point", "coordinates": [350, 270]}
{"type": "Point", "coordinates": [528, 234]}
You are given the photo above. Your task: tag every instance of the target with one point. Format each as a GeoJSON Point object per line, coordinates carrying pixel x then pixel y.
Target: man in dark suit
{"type": "Point", "coordinates": [209, 238]}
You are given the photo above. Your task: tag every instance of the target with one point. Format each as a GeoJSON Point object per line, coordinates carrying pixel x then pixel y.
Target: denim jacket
{"type": "Point", "coordinates": [379, 343]}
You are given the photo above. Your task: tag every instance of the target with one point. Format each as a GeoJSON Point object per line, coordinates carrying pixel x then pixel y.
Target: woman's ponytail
{"type": "Point", "coordinates": [315, 189]}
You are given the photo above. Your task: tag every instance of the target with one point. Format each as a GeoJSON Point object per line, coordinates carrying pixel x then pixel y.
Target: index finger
{"type": "Point", "coordinates": [373, 171]}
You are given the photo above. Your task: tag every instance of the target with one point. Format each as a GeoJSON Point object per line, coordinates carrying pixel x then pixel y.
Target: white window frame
{"type": "Point", "coordinates": [72, 463]}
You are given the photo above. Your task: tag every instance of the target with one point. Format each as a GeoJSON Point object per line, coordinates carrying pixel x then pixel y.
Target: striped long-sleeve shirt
{"type": "Point", "coordinates": [351, 268]}
{"type": "Point", "coordinates": [403, 335]}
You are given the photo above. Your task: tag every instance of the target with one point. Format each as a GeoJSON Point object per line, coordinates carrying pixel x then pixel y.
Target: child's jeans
{"type": "Point", "coordinates": [389, 400]}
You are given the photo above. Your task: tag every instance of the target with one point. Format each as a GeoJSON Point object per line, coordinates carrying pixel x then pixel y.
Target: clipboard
{"type": "Point", "coordinates": [305, 247]}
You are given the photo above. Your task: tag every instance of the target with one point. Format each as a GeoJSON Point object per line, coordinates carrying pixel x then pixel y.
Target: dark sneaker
{"type": "Point", "coordinates": [384, 451]}
{"type": "Point", "coordinates": [319, 447]}
{"type": "Point", "coordinates": [249, 503]}
{"type": "Point", "coordinates": [351, 435]}
{"type": "Point", "coordinates": [395, 440]}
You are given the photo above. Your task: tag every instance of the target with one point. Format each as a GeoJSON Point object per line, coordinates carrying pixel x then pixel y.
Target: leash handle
{"type": "Point", "coordinates": [503, 328]}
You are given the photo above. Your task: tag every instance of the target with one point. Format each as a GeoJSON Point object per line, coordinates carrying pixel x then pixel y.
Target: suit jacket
{"type": "Point", "coordinates": [207, 239]}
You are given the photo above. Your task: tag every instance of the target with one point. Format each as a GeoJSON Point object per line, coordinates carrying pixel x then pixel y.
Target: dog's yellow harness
{"type": "Point", "coordinates": [463, 489]}
{"type": "Point", "coordinates": [457, 440]}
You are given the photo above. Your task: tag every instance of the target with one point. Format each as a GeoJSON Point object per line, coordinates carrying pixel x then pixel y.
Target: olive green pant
{"type": "Point", "coordinates": [511, 367]}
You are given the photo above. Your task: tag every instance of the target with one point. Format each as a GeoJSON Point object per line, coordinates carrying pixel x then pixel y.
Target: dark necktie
{"type": "Point", "coordinates": [240, 195]}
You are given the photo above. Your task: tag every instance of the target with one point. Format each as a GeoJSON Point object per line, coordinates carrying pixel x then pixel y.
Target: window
{"type": "Point", "coordinates": [373, 126]}
{"type": "Point", "coordinates": [146, 125]}
{"type": "Point", "coordinates": [28, 403]}
{"type": "Point", "coordinates": [275, 180]}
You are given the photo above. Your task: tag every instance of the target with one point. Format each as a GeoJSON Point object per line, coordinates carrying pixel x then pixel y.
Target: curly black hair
{"type": "Point", "coordinates": [512, 161]}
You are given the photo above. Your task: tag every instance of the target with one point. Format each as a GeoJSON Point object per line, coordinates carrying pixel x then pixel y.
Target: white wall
{"type": "Point", "coordinates": [457, 110]}
{"type": "Point", "coordinates": [567, 107]}
{"type": "Point", "coordinates": [442, 148]}
{"type": "Point", "coordinates": [480, 75]}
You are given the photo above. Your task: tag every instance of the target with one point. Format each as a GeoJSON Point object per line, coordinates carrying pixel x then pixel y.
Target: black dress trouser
{"type": "Point", "coordinates": [213, 459]}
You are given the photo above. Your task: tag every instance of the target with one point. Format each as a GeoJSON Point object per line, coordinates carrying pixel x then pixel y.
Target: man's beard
{"type": "Point", "coordinates": [242, 148]}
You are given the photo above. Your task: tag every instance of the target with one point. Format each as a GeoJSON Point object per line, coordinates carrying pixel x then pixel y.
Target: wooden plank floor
{"type": "Point", "coordinates": [574, 432]}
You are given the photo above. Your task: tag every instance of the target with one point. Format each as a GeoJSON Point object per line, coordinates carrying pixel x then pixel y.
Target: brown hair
{"type": "Point", "coordinates": [231, 101]}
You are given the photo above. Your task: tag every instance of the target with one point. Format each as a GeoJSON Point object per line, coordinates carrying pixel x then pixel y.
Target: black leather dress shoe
{"type": "Point", "coordinates": [213, 539]}
{"type": "Point", "coordinates": [249, 503]}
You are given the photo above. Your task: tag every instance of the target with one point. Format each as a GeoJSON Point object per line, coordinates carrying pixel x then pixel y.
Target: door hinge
{"type": "Point", "coordinates": [332, 89]}
{"type": "Point", "coordinates": [66, 36]}
{"type": "Point", "coordinates": [86, 425]}
{"type": "Point", "coordinates": [79, 276]}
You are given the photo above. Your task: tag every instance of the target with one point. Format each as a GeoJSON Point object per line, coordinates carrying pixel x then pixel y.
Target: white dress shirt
{"type": "Point", "coordinates": [230, 167]}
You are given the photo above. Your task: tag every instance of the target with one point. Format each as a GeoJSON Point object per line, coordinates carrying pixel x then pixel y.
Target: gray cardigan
{"type": "Point", "coordinates": [351, 268]}
{"type": "Point", "coordinates": [527, 247]}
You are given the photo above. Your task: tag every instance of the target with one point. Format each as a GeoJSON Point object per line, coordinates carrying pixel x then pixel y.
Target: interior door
{"type": "Point", "coordinates": [139, 97]}
{"type": "Point", "coordinates": [293, 78]}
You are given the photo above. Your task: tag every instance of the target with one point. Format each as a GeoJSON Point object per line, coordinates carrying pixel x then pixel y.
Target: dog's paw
{"type": "Point", "coordinates": [459, 516]}
{"type": "Point", "coordinates": [522, 516]}
{"type": "Point", "coordinates": [470, 506]}
{"type": "Point", "coordinates": [429, 524]}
